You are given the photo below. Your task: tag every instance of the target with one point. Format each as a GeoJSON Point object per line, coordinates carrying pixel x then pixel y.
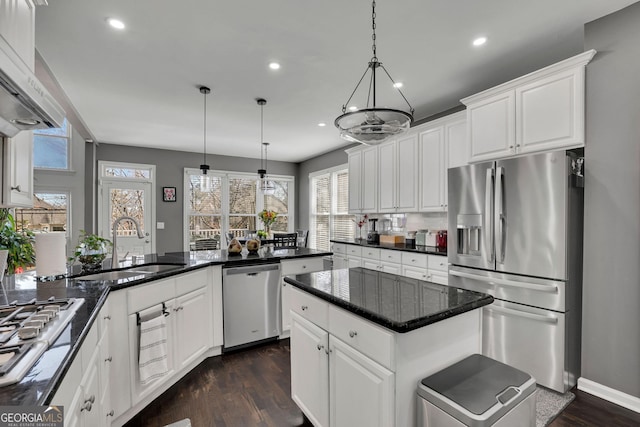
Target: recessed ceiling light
{"type": "Point", "coordinates": [479, 41]}
{"type": "Point", "coordinates": [398, 85]}
{"type": "Point", "coordinates": [274, 66]}
{"type": "Point", "coordinates": [353, 108]}
{"type": "Point", "coordinates": [321, 124]}
{"type": "Point", "coordinates": [116, 23]}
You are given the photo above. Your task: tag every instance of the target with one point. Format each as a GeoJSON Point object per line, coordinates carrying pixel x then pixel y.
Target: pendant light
{"type": "Point", "coordinates": [204, 167]}
{"type": "Point", "coordinates": [266, 186]}
{"type": "Point", "coordinates": [373, 125]}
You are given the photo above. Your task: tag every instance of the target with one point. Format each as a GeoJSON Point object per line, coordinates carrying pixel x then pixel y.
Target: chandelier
{"type": "Point", "coordinates": [204, 167]}
{"type": "Point", "coordinates": [266, 186]}
{"type": "Point", "coordinates": [373, 125]}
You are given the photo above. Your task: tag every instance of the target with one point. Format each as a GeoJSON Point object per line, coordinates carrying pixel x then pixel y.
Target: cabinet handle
{"type": "Point", "coordinates": [108, 359]}
{"type": "Point", "coordinates": [304, 266]}
{"type": "Point", "coordinates": [511, 147]}
{"type": "Point", "coordinates": [320, 347]}
{"type": "Point", "coordinates": [86, 407]}
{"type": "Point", "coordinates": [107, 317]}
{"type": "Point", "coordinates": [353, 333]}
{"type": "Point", "coordinates": [304, 307]}
{"type": "Point", "coordinates": [110, 414]}
{"type": "Point", "coordinates": [91, 399]}
{"type": "Point", "coordinates": [17, 188]}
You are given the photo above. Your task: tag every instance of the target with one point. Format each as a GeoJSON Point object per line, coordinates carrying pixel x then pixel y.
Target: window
{"type": "Point", "coordinates": [50, 212]}
{"type": "Point", "coordinates": [51, 147]}
{"type": "Point", "coordinates": [330, 219]}
{"type": "Point", "coordinates": [229, 202]}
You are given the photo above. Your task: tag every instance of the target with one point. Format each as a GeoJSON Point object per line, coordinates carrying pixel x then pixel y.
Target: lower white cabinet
{"type": "Point", "coordinates": [192, 318]}
{"type": "Point", "coordinates": [291, 267]}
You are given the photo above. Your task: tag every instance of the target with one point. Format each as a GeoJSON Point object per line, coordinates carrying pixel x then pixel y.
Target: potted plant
{"type": "Point", "coordinates": [19, 244]}
{"type": "Point", "coordinates": [91, 251]}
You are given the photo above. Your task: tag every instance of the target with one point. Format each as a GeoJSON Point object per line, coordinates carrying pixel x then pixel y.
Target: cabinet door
{"type": "Point", "coordinates": [310, 370]}
{"type": "Point", "coordinates": [354, 262]}
{"type": "Point", "coordinates": [387, 184]}
{"type": "Point", "coordinates": [17, 27]}
{"type": "Point", "coordinates": [371, 264]}
{"type": "Point", "coordinates": [355, 177]}
{"type": "Point", "coordinates": [369, 180]}
{"type": "Point", "coordinates": [457, 143]}
{"type": "Point", "coordinates": [91, 413]}
{"type": "Point", "coordinates": [415, 272]}
{"type": "Point", "coordinates": [391, 267]}
{"type": "Point", "coordinates": [340, 261]}
{"type": "Point", "coordinates": [491, 127]}
{"type": "Point", "coordinates": [439, 277]}
{"type": "Point", "coordinates": [193, 327]}
{"type": "Point", "coordinates": [361, 390]}
{"type": "Point", "coordinates": [407, 166]}
{"type": "Point", "coordinates": [550, 113]}
{"type": "Point", "coordinates": [18, 170]}
{"type": "Point", "coordinates": [431, 173]}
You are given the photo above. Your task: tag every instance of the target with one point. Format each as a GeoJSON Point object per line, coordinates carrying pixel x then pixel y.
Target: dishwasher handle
{"type": "Point", "coordinates": [251, 269]}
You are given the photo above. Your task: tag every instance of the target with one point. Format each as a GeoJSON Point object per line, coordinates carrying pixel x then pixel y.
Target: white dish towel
{"type": "Point", "coordinates": [152, 359]}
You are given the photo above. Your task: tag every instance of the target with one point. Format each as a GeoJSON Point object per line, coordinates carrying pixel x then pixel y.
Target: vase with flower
{"type": "Point", "coordinates": [360, 222]}
{"type": "Point", "coordinates": [268, 217]}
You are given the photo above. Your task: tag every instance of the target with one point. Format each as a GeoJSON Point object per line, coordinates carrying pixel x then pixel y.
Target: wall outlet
{"type": "Point", "coordinates": [160, 225]}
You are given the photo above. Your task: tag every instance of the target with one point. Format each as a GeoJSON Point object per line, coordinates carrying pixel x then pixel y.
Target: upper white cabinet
{"type": "Point", "coordinates": [540, 111]}
{"type": "Point", "coordinates": [17, 27]}
{"type": "Point", "coordinates": [397, 184]}
{"type": "Point", "coordinates": [363, 179]}
{"type": "Point", "coordinates": [17, 165]}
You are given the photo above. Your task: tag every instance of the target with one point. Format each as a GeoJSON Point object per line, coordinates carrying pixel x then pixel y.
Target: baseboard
{"type": "Point", "coordinates": [607, 393]}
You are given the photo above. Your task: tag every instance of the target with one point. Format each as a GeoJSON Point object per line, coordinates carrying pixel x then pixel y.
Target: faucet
{"type": "Point", "coordinates": [114, 255]}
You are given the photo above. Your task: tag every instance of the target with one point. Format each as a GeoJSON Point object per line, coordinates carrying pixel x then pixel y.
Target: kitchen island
{"type": "Point", "coordinates": [92, 356]}
{"type": "Point", "coordinates": [362, 339]}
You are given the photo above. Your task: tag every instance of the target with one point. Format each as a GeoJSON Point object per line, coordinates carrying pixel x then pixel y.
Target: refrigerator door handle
{"type": "Point", "coordinates": [511, 312]}
{"type": "Point", "coordinates": [488, 216]}
{"type": "Point", "coordinates": [499, 215]}
{"type": "Point", "coordinates": [506, 282]}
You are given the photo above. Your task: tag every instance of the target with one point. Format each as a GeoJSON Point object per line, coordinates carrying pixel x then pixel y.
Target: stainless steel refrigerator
{"type": "Point", "coordinates": [515, 232]}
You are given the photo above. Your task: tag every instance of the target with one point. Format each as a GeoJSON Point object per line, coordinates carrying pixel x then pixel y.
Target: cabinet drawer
{"type": "Point", "coordinates": [371, 253]}
{"type": "Point", "coordinates": [189, 282]}
{"type": "Point", "coordinates": [390, 256]}
{"type": "Point", "coordinates": [311, 308]}
{"type": "Point", "coordinates": [142, 297]}
{"type": "Point", "coordinates": [367, 338]}
{"type": "Point", "coordinates": [300, 266]}
{"type": "Point", "coordinates": [438, 263]}
{"type": "Point", "coordinates": [339, 248]}
{"type": "Point", "coordinates": [414, 260]}
{"type": "Point", "coordinates": [353, 250]}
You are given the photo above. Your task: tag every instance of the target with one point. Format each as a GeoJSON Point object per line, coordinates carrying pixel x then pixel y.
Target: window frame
{"type": "Point", "coordinates": [67, 138]}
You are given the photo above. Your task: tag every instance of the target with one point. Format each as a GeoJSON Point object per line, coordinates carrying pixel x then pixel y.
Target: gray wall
{"type": "Point", "coordinates": [325, 161]}
{"type": "Point", "coordinates": [170, 170]}
{"type": "Point", "coordinates": [611, 294]}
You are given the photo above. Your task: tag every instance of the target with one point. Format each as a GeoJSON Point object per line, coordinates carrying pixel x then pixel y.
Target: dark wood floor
{"type": "Point", "coordinates": [251, 388]}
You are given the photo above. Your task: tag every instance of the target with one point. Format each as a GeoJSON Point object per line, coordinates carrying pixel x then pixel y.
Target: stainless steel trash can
{"type": "Point", "coordinates": [477, 392]}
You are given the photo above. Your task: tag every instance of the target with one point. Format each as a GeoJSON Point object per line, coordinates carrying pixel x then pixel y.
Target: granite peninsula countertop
{"type": "Point", "coordinates": [429, 250]}
{"type": "Point", "coordinates": [41, 382]}
{"type": "Point", "coordinates": [399, 303]}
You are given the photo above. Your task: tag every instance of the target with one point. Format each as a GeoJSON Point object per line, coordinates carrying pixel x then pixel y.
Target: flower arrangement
{"type": "Point", "coordinates": [91, 250]}
{"type": "Point", "coordinates": [362, 221]}
{"type": "Point", "coordinates": [267, 217]}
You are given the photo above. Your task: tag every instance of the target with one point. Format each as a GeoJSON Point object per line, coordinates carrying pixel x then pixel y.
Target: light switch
{"type": "Point", "coordinates": [160, 225]}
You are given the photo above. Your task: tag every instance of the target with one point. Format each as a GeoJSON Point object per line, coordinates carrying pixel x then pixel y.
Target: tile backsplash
{"type": "Point", "coordinates": [401, 223]}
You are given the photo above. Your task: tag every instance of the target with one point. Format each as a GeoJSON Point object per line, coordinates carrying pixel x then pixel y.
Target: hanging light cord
{"type": "Point", "coordinates": [262, 163]}
{"type": "Point", "coordinates": [205, 127]}
{"type": "Point", "coordinates": [373, 64]}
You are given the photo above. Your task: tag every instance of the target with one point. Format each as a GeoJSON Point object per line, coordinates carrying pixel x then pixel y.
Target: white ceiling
{"type": "Point", "coordinates": [140, 86]}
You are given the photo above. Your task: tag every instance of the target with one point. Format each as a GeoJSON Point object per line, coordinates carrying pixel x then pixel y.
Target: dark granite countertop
{"type": "Point", "coordinates": [430, 250]}
{"type": "Point", "coordinates": [398, 303]}
{"type": "Point", "coordinates": [41, 382]}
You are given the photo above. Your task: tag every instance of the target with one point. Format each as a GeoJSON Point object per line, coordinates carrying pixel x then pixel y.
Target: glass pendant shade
{"type": "Point", "coordinates": [267, 187]}
{"type": "Point", "coordinates": [372, 125]}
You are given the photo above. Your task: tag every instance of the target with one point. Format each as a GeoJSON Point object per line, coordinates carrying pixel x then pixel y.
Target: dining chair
{"type": "Point", "coordinates": [303, 236]}
{"type": "Point", "coordinates": [285, 240]}
{"type": "Point", "coordinates": [206, 244]}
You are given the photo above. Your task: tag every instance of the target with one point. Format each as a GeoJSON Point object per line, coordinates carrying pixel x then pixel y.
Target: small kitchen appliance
{"type": "Point", "coordinates": [441, 239]}
{"type": "Point", "coordinates": [373, 237]}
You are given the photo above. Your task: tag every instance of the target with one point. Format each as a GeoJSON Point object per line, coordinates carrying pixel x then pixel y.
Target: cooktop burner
{"type": "Point", "coordinates": [27, 329]}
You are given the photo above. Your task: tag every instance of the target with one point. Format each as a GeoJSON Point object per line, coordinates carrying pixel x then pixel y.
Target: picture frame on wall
{"type": "Point", "coordinates": [168, 194]}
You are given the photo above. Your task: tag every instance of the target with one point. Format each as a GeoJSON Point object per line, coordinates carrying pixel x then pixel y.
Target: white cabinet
{"type": "Point", "coordinates": [17, 28]}
{"type": "Point", "coordinates": [290, 267]}
{"type": "Point", "coordinates": [193, 337]}
{"type": "Point", "coordinates": [540, 111]}
{"type": "Point", "coordinates": [397, 184]}
{"type": "Point", "coordinates": [363, 179]}
{"type": "Point", "coordinates": [17, 179]}
{"type": "Point", "coordinates": [442, 145]}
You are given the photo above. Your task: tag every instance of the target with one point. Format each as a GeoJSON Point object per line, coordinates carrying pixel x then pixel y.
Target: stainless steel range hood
{"type": "Point", "coordinates": [24, 102]}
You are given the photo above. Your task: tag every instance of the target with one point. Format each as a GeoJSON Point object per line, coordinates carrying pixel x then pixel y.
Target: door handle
{"type": "Point", "coordinates": [517, 313]}
{"type": "Point", "coordinates": [552, 288]}
{"type": "Point", "coordinates": [488, 215]}
{"type": "Point", "coordinates": [499, 215]}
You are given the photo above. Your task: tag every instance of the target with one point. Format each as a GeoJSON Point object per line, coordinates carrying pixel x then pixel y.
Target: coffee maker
{"type": "Point", "coordinates": [372, 236]}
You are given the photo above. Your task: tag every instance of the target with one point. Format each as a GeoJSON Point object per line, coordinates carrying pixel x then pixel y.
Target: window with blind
{"type": "Point", "coordinates": [330, 219]}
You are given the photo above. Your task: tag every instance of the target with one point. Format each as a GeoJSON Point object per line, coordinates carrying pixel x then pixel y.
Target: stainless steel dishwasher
{"type": "Point", "coordinates": [251, 304]}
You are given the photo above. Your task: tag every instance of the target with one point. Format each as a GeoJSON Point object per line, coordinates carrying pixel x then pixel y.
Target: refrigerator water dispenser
{"type": "Point", "coordinates": [469, 227]}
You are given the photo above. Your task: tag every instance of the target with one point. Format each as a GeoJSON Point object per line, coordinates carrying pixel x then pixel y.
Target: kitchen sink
{"type": "Point", "coordinates": [132, 271]}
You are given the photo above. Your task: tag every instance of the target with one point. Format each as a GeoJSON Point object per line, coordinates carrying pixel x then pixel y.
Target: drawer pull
{"type": "Point", "coordinates": [107, 317]}
{"type": "Point", "coordinates": [110, 414]}
{"type": "Point", "coordinates": [86, 407]}
{"type": "Point", "coordinates": [304, 307]}
{"type": "Point", "coordinates": [320, 347]}
{"type": "Point", "coordinates": [108, 359]}
{"type": "Point", "coordinates": [353, 333]}
{"type": "Point", "coordinates": [413, 260]}
{"type": "Point", "coordinates": [304, 266]}
{"type": "Point", "coordinates": [90, 400]}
